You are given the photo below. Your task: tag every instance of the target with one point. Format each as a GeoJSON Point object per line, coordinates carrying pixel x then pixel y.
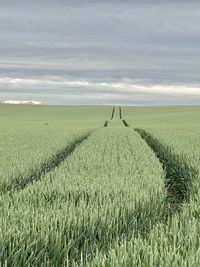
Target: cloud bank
{"type": "Point", "coordinates": [125, 91]}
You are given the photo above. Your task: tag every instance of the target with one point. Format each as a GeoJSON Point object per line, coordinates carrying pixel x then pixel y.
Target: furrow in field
{"type": "Point", "coordinates": [102, 193]}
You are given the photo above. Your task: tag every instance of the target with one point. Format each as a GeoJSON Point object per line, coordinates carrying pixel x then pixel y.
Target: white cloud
{"type": "Point", "coordinates": [18, 102]}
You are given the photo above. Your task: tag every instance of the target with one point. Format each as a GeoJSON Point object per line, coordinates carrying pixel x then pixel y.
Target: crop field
{"type": "Point", "coordinates": [99, 186]}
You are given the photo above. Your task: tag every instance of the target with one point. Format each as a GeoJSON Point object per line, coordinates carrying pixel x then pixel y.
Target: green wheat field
{"type": "Point", "coordinates": [99, 186]}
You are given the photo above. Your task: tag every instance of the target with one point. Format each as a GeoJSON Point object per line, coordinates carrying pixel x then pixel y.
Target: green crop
{"type": "Point", "coordinates": [99, 186]}
{"type": "Point", "coordinates": [104, 191]}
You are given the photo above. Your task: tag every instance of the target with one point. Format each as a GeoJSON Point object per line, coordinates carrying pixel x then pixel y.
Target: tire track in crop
{"type": "Point", "coordinates": [122, 119]}
{"type": "Point", "coordinates": [105, 124]}
{"type": "Point", "coordinates": [120, 113]}
{"type": "Point", "coordinates": [125, 123]}
{"type": "Point", "coordinates": [111, 118]}
{"type": "Point", "coordinates": [178, 173]}
{"type": "Point", "coordinates": [113, 113]}
{"type": "Point", "coordinates": [21, 182]}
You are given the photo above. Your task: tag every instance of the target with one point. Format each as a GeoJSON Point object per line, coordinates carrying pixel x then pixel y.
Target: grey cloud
{"type": "Point", "coordinates": [147, 41]}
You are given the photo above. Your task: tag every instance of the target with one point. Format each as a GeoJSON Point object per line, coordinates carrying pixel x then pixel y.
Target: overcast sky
{"type": "Point", "coordinates": [100, 52]}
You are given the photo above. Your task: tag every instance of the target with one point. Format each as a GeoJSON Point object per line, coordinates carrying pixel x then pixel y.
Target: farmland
{"type": "Point", "coordinates": [99, 186]}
